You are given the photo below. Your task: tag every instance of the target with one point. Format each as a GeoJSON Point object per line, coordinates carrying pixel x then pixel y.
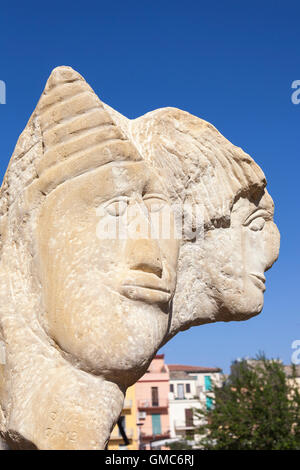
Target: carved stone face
{"type": "Point", "coordinates": [239, 255]}
{"type": "Point", "coordinates": [106, 300]}
{"type": "Point", "coordinates": [220, 276]}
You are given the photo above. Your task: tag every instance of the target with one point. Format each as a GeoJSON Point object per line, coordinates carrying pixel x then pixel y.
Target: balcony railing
{"type": "Point", "coordinates": [147, 404]}
{"type": "Point", "coordinates": [146, 437]}
{"type": "Point", "coordinates": [182, 425]}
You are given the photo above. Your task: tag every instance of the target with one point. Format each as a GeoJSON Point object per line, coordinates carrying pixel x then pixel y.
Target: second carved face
{"type": "Point", "coordinates": [238, 256]}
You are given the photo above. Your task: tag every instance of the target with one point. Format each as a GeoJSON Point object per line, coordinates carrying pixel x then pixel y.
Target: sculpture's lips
{"type": "Point", "coordinates": [146, 293]}
{"type": "Point", "coordinates": [259, 280]}
{"type": "Point", "coordinates": [148, 288]}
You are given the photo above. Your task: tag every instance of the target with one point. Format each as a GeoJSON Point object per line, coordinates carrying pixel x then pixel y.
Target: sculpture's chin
{"type": "Point", "coordinates": [119, 366]}
{"type": "Point", "coordinates": [241, 308]}
{"type": "Point", "coordinates": [116, 342]}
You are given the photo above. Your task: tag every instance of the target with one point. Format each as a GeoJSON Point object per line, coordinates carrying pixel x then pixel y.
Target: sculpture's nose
{"type": "Point", "coordinates": [272, 244]}
{"type": "Point", "coordinates": [142, 250]}
{"type": "Point", "coordinates": [144, 255]}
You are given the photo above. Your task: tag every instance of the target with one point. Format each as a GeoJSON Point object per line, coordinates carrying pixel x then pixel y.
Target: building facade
{"type": "Point", "coordinates": [293, 374]}
{"type": "Point", "coordinates": [161, 406]}
{"type": "Point", "coordinates": [129, 424]}
{"type": "Point", "coordinates": [152, 391]}
{"type": "Point", "coordinates": [190, 389]}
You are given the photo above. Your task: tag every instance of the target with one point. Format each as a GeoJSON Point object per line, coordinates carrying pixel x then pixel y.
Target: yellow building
{"type": "Point", "coordinates": [129, 420]}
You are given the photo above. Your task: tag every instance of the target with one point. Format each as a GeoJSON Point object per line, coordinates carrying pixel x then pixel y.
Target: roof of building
{"type": "Point", "coordinates": [159, 356]}
{"type": "Point", "coordinates": [181, 375]}
{"type": "Point", "coordinates": [183, 368]}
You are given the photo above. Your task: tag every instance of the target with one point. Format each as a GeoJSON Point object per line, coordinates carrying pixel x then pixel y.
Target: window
{"type": "Point", "coordinates": [180, 391]}
{"type": "Point", "coordinates": [156, 424]}
{"type": "Point", "coordinates": [154, 396]}
{"type": "Point", "coordinates": [209, 403]}
{"type": "Point", "coordinates": [207, 381]}
{"type": "Point", "coordinates": [188, 388]}
{"type": "Point", "coordinates": [189, 419]}
{"type": "Point", "coordinates": [171, 388]}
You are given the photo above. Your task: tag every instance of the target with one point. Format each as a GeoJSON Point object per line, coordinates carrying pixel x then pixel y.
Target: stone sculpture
{"type": "Point", "coordinates": [82, 314]}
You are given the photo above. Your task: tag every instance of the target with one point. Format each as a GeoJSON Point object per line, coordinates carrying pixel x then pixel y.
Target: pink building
{"type": "Point", "coordinates": [152, 392]}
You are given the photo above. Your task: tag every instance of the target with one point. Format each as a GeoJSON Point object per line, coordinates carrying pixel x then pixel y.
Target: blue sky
{"type": "Point", "coordinates": [231, 63]}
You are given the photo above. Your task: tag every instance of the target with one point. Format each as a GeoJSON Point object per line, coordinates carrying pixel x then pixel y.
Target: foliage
{"type": "Point", "coordinates": [257, 408]}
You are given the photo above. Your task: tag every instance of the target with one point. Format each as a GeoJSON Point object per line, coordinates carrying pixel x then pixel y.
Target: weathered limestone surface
{"type": "Point", "coordinates": [83, 314]}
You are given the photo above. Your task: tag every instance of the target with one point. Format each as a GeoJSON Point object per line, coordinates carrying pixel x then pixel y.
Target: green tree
{"type": "Point", "coordinates": [257, 408]}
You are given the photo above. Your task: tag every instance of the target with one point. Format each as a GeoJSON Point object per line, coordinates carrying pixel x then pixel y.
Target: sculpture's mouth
{"type": "Point", "coordinates": [146, 293]}
{"type": "Point", "coordinates": [148, 287]}
{"type": "Point", "coordinates": [259, 280]}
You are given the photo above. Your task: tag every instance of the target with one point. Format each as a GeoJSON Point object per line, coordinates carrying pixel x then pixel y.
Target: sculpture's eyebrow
{"type": "Point", "coordinates": [156, 195]}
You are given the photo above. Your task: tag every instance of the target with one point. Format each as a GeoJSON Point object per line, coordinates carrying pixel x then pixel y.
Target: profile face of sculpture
{"type": "Point", "coordinates": [220, 275]}
{"type": "Point", "coordinates": [240, 254]}
{"type": "Point", "coordinates": [107, 299]}
{"type": "Point", "coordinates": [90, 283]}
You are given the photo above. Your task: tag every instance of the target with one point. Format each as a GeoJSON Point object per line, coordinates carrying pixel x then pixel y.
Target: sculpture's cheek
{"type": "Point", "coordinates": [234, 254]}
{"type": "Point", "coordinates": [88, 317]}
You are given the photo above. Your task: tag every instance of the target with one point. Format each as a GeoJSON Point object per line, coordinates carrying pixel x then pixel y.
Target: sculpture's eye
{"type": "Point", "coordinates": [257, 224]}
{"type": "Point", "coordinates": [257, 220]}
{"type": "Point", "coordinates": [154, 203]}
{"type": "Point", "coordinates": [117, 207]}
